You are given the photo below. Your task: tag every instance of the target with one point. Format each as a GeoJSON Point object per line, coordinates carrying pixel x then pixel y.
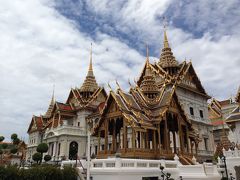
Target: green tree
{"type": "Point", "coordinates": [14, 136]}
{"type": "Point", "coordinates": [37, 157]}
{"type": "Point", "coordinates": [47, 158]}
{"type": "Point", "coordinates": [1, 138]}
{"type": "Point", "coordinates": [42, 148]}
{"type": "Point", "coordinates": [14, 150]}
{"type": "Point", "coordinates": [16, 141]}
{"type": "Point", "coordinates": [1, 154]}
{"type": "Point", "coordinates": [4, 146]}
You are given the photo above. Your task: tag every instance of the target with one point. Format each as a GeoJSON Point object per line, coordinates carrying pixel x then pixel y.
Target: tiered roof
{"type": "Point", "coordinates": [235, 114]}
{"type": "Point", "coordinates": [238, 95]}
{"type": "Point", "coordinates": [167, 59]}
{"type": "Point", "coordinates": [79, 98]}
{"type": "Point", "coordinates": [90, 84]}
{"type": "Point", "coordinates": [170, 71]}
{"type": "Point", "coordinates": [138, 110]}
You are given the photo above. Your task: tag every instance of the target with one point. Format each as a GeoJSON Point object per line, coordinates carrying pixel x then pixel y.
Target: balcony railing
{"type": "Point", "coordinates": [66, 129]}
{"type": "Point", "coordinates": [205, 152]}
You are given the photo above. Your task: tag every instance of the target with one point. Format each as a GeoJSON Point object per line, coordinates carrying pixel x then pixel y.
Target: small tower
{"type": "Point", "coordinates": [167, 60]}
{"type": "Point", "coordinates": [51, 105]}
{"type": "Point", "coordinates": [89, 85]}
{"type": "Point", "coordinates": [238, 96]}
{"type": "Point", "coordinates": [148, 85]}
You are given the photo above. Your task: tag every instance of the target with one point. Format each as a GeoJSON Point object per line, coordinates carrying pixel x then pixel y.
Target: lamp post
{"type": "Point", "coordinates": [225, 165]}
{"type": "Point", "coordinates": [88, 153]}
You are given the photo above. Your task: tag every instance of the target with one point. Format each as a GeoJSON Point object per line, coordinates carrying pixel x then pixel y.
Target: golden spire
{"type": "Point", "coordinates": [167, 60]}
{"type": "Point", "coordinates": [90, 68]}
{"type": "Point", "coordinates": [89, 84]}
{"type": "Point", "coordinates": [147, 62]}
{"type": "Point", "coordinates": [52, 102]}
{"type": "Point", "coordinates": [53, 95]}
{"type": "Point", "coordinates": [166, 45]}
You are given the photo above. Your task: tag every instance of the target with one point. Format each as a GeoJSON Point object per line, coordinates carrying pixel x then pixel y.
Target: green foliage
{"type": "Point", "coordinates": [69, 173]}
{"type": "Point", "coordinates": [40, 172]}
{"type": "Point", "coordinates": [4, 146]}
{"type": "Point", "coordinates": [14, 150]}
{"type": "Point", "coordinates": [42, 148]}
{"type": "Point", "coordinates": [16, 141]}
{"type": "Point", "coordinates": [47, 158]}
{"type": "Point", "coordinates": [1, 151]}
{"type": "Point", "coordinates": [37, 157]}
{"type": "Point", "coordinates": [9, 173]}
{"type": "Point", "coordinates": [1, 138]}
{"type": "Point", "coordinates": [14, 136]}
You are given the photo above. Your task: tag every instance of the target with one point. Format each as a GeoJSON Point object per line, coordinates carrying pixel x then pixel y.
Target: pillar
{"type": "Point", "coordinates": [106, 136]}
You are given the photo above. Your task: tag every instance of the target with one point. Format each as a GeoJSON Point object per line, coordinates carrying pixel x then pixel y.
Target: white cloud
{"type": "Point", "coordinates": [40, 47]}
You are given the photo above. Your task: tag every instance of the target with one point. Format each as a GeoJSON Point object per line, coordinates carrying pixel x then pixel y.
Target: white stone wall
{"type": "Point", "coordinates": [202, 124]}
{"type": "Point", "coordinates": [236, 133]}
{"type": "Point", "coordinates": [33, 141]}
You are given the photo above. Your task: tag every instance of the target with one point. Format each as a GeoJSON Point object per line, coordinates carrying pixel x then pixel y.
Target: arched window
{"type": "Point", "coordinates": [73, 150]}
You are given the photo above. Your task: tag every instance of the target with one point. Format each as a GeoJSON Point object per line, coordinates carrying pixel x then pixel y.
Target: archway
{"type": "Point", "coordinates": [73, 150]}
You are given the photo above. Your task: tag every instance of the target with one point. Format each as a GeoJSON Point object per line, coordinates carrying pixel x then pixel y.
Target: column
{"type": "Point", "coordinates": [166, 142]}
{"type": "Point", "coordinates": [106, 136]}
{"type": "Point", "coordinates": [98, 142]}
{"type": "Point", "coordinates": [159, 139]}
{"type": "Point", "coordinates": [124, 135]}
{"type": "Point", "coordinates": [114, 136]}
{"type": "Point", "coordinates": [54, 149]}
{"type": "Point", "coordinates": [154, 140]}
{"type": "Point", "coordinates": [174, 142]}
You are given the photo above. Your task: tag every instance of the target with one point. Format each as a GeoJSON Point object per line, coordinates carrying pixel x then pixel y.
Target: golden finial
{"type": "Point", "coordinates": [166, 45]}
{"type": "Point", "coordinates": [109, 86]}
{"type": "Point", "coordinates": [90, 65]}
{"type": "Point", "coordinates": [135, 81]}
{"type": "Point", "coordinates": [53, 94]}
{"type": "Point", "coordinates": [118, 85]}
{"type": "Point", "coordinates": [129, 82]}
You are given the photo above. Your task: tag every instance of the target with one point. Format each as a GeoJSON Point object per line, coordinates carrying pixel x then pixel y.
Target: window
{"type": "Point", "coordinates": [191, 111]}
{"type": "Point", "coordinates": [201, 113]}
{"type": "Point", "coordinates": [206, 143]}
{"type": "Point", "coordinates": [102, 147]}
{"type": "Point", "coordinates": [96, 148]}
{"type": "Point", "coordinates": [78, 124]}
{"type": "Point", "coordinates": [59, 148]}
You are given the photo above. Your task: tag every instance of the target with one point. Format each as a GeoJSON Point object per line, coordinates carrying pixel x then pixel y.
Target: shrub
{"type": "Point", "coordinates": [37, 157]}
{"type": "Point", "coordinates": [14, 150]}
{"type": "Point", "coordinates": [70, 173]}
{"type": "Point", "coordinates": [42, 148]}
{"type": "Point", "coordinates": [14, 136]}
{"type": "Point", "coordinates": [47, 158]}
{"type": "Point", "coordinates": [16, 141]}
{"type": "Point", "coordinates": [40, 172]}
{"type": "Point", "coordinates": [1, 138]}
{"type": "Point", "coordinates": [4, 146]}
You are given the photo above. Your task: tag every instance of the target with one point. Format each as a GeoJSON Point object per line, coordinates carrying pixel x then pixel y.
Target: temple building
{"type": "Point", "coordinates": [233, 121]}
{"type": "Point", "coordinates": [164, 113]}
{"type": "Point", "coordinates": [218, 113]}
{"type": "Point", "coordinates": [63, 127]}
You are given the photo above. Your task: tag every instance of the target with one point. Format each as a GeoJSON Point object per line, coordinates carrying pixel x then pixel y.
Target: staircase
{"type": "Point", "coordinates": [185, 160]}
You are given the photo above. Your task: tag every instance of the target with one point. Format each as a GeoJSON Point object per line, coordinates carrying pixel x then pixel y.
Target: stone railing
{"type": "Point", "coordinates": [205, 152]}
{"type": "Point", "coordinates": [231, 153]}
{"type": "Point", "coordinates": [65, 129]}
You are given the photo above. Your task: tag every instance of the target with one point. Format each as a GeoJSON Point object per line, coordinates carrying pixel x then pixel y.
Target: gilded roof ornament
{"type": "Point", "coordinates": [89, 84]}
{"type": "Point", "coordinates": [52, 102]}
{"type": "Point", "coordinates": [166, 58]}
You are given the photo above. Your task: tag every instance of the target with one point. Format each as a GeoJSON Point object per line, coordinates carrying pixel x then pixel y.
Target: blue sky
{"type": "Point", "coordinates": [45, 42]}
